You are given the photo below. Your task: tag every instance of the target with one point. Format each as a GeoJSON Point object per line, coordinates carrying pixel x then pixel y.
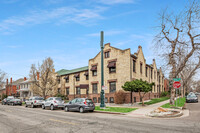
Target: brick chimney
{"type": "Point", "coordinates": [139, 46]}
{"type": "Point", "coordinates": [24, 78]}
{"type": "Point", "coordinates": [6, 81]}
{"type": "Point", "coordinates": [38, 75]}
{"type": "Point", "coordinates": [53, 70]}
{"type": "Point", "coordinates": [11, 80]}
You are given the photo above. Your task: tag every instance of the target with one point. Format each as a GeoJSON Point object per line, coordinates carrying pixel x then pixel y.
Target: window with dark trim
{"type": "Point", "coordinates": [99, 99]}
{"type": "Point", "coordinates": [78, 90]}
{"type": "Point", "coordinates": [112, 87]}
{"type": "Point", "coordinates": [94, 88]}
{"type": "Point", "coordinates": [151, 73]}
{"type": "Point", "coordinates": [58, 90]}
{"type": "Point", "coordinates": [140, 67]}
{"type": "Point", "coordinates": [107, 54]}
{"type": "Point", "coordinates": [94, 73]}
{"type": "Point", "coordinates": [94, 99]}
{"type": "Point", "coordinates": [67, 80]}
{"type": "Point", "coordinates": [87, 77]}
{"type": "Point", "coordinates": [134, 62]}
{"type": "Point", "coordinates": [67, 91]}
{"type": "Point", "coordinates": [112, 70]}
{"type": "Point", "coordinates": [146, 71]}
{"type": "Point", "coordinates": [77, 78]}
{"type": "Point", "coordinates": [112, 67]}
{"type": "Point", "coordinates": [111, 99]}
{"type": "Point", "coordinates": [106, 100]}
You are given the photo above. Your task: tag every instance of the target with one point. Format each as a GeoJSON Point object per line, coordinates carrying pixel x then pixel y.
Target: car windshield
{"type": "Point", "coordinates": [39, 98]}
{"type": "Point", "coordinates": [89, 100]}
{"type": "Point", "coordinates": [58, 98]}
{"type": "Point", "coordinates": [191, 96]}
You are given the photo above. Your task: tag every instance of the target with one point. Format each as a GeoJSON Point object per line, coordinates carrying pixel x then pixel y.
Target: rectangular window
{"type": "Point", "coordinates": [94, 73]}
{"type": "Point", "coordinates": [94, 88]}
{"type": "Point", "coordinates": [94, 99]}
{"type": "Point", "coordinates": [112, 87]}
{"type": "Point", "coordinates": [58, 81]}
{"type": "Point", "coordinates": [111, 99]}
{"type": "Point", "coordinates": [99, 99]}
{"type": "Point", "coordinates": [146, 71]}
{"type": "Point", "coordinates": [106, 100]}
{"type": "Point", "coordinates": [140, 67]}
{"type": "Point", "coordinates": [134, 62]}
{"type": "Point", "coordinates": [67, 80]}
{"type": "Point", "coordinates": [78, 78]}
{"type": "Point", "coordinates": [112, 69]}
{"type": "Point", "coordinates": [78, 90]}
{"type": "Point", "coordinates": [58, 90]}
{"type": "Point", "coordinates": [107, 54]}
{"type": "Point", "coordinates": [67, 91]}
{"type": "Point", "coordinates": [87, 77]}
{"type": "Point", "coordinates": [151, 73]}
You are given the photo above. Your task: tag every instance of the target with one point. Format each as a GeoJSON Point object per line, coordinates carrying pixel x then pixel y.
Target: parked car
{"type": "Point", "coordinates": [14, 102]}
{"type": "Point", "coordinates": [80, 104]}
{"type": "Point", "coordinates": [52, 103]}
{"type": "Point", "coordinates": [6, 100]}
{"type": "Point", "coordinates": [34, 101]}
{"type": "Point", "coordinates": [191, 98]}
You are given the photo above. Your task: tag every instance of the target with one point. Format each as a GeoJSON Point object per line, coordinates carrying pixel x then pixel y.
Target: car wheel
{"type": "Point", "coordinates": [32, 106]}
{"type": "Point", "coordinates": [91, 111]}
{"type": "Point", "coordinates": [66, 109]}
{"type": "Point", "coordinates": [52, 107]}
{"type": "Point", "coordinates": [43, 107]}
{"type": "Point", "coordinates": [26, 105]}
{"type": "Point", "coordinates": [81, 110]}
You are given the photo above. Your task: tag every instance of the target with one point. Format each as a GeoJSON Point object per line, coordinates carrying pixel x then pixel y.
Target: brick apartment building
{"type": "Point", "coordinates": [119, 66]}
{"type": "Point", "coordinates": [13, 87]}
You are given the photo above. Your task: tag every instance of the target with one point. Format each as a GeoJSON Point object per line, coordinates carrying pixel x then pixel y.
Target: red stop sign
{"type": "Point", "coordinates": [176, 84]}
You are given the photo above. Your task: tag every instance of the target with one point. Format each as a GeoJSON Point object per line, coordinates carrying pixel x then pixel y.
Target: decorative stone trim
{"type": "Point", "coordinates": [94, 82]}
{"type": "Point", "coordinates": [112, 80]}
{"type": "Point", "coordinates": [112, 60]}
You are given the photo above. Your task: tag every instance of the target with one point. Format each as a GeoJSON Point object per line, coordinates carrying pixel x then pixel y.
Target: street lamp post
{"type": "Point", "coordinates": [102, 105]}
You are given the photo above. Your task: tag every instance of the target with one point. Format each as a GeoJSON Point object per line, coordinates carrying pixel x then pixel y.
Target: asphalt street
{"type": "Point", "coordinates": [18, 119]}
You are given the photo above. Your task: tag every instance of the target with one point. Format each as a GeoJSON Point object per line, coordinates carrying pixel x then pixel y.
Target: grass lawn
{"type": "Point", "coordinates": [115, 109]}
{"type": "Point", "coordinates": [181, 104]}
{"type": "Point", "coordinates": [156, 100]}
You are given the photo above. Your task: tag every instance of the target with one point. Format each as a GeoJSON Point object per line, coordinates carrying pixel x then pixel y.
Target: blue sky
{"type": "Point", "coordinates": [68, 31]}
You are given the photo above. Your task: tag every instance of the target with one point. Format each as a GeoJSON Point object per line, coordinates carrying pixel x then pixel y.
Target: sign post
{"type": "Point", "coordinates": [176, 85]}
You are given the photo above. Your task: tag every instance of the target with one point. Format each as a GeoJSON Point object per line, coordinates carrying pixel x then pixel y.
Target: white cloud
{"type": "Point", "coordinates": [58, 16]}
{"type": "Point", "coordinates": [111, 2]}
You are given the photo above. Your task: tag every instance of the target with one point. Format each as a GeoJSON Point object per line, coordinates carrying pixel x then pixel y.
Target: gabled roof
{"type": "Point", "coordinates": [16, 82]}
{"type": "Point", "coordinates": [66, 72]}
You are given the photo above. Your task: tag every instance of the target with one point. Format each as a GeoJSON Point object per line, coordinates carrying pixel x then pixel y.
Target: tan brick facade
{"type": "Point", "coordinates": [123, 62]}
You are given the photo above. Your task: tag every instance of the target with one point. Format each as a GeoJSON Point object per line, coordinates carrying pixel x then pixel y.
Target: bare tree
{"type": "Point", "coordinates": [44, 78]}
{"type": "Point", "coordinates": [179, 31]}
{"type": "Point", "coordinates": [2, 78]}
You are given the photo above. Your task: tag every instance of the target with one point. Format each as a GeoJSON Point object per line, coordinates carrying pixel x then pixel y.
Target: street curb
{"type": "Point", "coordinates": [106, 112]}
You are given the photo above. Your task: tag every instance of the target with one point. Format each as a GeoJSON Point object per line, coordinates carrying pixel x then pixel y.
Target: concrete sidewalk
{"type": "Point", "coordinates": [141, 112]}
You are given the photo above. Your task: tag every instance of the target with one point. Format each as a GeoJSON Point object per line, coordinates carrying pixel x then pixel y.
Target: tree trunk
{"type": "Point", "coordinates": [172, 88]}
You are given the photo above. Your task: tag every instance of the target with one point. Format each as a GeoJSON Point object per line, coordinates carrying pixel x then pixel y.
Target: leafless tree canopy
{"type": "Point", "coordinates": [2, 78]}
{"type": "Point", "coordinates": [179, 37]}
{"type": "Point", "coordinates": [47, 83]}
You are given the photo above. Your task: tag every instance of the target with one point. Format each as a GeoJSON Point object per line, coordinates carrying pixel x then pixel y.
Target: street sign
{"type": "Point", "coordinates": [176, 84]}
{"type": "Point", "coordinates": [104, 88]}
{"type": "Point", "coordinates": [176, 79]}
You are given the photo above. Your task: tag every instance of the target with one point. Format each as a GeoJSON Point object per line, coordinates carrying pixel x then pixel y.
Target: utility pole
{"type": "Point", "coordinates": [102, 105]}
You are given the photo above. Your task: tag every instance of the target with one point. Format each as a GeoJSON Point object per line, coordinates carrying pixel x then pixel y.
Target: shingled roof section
{"type": "Point", "coordinates": [66, 72]}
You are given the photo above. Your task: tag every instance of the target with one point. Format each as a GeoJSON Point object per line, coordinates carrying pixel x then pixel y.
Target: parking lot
{"type": "Point", "coordinates": [18, 119]}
